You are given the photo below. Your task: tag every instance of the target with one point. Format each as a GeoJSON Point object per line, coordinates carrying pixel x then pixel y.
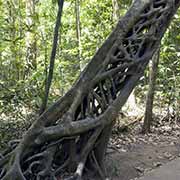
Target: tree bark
{"type": "Point", "coordinates": [131, 106]}
{"type": "Point", "coordinates": [53, 56]}
{"type": "Point", "coordinates": [12, 70]}
{"type": "Point", "coordinates": [78, 33]}
{"type": "Point", "coordinates": [31, 46]}
{"type": "Point", "coordinates": [153, 68]}
{"type": "Point", "coordinates": [82, 116]}
{"type": "Point", "coordinates": [116, 13]}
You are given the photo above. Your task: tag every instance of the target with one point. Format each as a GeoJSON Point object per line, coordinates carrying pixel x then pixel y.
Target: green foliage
{"type": "Point", "coordinates": [22, 79]}
{"type": "Point", "coordinates": [168, 81]}
{"type": "Point", "coordinates": [169, 71]}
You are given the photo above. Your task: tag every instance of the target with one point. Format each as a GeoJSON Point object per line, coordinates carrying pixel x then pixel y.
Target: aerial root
{"type": "Point", "coordinates": [49, 160]}
{"type": "Point", "coordinates": [97, 166]}
{"type": "Point", "coordinates": [14, 171]}
{"type": "Point", "coordinates": [65, 164]}
{"type": "Point", "coordinates": [13, 143]}
{"type": "Point", "coordinates": [40, 164]}
{"type": "Point", "coordinates": [2, 172]}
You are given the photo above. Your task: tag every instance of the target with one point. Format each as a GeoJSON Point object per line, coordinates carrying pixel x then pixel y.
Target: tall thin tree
{"type": "Point", "coordinates": [116, 13]}
{"type": "Point", "coordinates": [53, 56]}
{"type": "Point", "coordinates": [153, 69]}
{"type": "Point", "coordinates": [31, 40]}
{"type": "Point", "coordinates": [78, 33]}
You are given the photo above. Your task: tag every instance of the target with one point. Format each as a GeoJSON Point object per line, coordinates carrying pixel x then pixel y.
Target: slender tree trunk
{"type": "Point", "coordinates": [53, 56]}
{"type": "Point", "coordinates": [31, 44]}
{"type": "Point", "coordinates": [44, 44]}
{"type": "Point", "coordinates": [116, 11]}
{"type": "Point", "coordinates": [148, 116]}
{"type": "Point", "coordinates": [13, 69]}
{"type": "Point", "coordinates": [78, 33]}
{"type": "Point", "coordinates": [13, 34]}
{"type": "Point", "coordinates": [20, 71]}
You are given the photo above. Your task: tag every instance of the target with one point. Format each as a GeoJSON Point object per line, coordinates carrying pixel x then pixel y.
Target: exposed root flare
{"type": "Point", "coordinates": [69, 140]}
{"type": "Point", "coordinates": [97, 166]}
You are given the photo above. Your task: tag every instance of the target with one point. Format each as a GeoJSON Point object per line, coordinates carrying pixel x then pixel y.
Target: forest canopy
{"type": "Point", "coordinates": [26, 40]}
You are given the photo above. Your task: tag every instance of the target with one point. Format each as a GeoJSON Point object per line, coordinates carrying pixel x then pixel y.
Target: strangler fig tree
{"type": "Point", "coordinates": [69, 140]}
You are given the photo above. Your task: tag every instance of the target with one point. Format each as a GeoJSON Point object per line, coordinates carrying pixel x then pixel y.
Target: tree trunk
{"type": "Point", "coordinates": [131, 106]}
{"type": "Point", "coordinates": [67, 136]}
{"type": "Point", "coordinates": [150, 95]}
{"type": "Point", "coordinates": [116, 14]}
{"type": "Point", "coordinates": [78, 33]}
{"type": "Point", "coordinates": [12, 70]}
{"type": "Point", "coordinates": [31, 46]}
{"type": "Point", "coordinates": [53, 56]}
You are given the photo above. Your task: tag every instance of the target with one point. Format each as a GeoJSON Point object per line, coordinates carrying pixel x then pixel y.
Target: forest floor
{"type": "Point", "coordinates": [131, 154]}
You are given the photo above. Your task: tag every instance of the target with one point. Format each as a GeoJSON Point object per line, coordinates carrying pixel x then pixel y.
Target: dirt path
{"type": "Point", "coordinates": [132, 155]}
{"type": "Point", "coordinates": [169, 171]}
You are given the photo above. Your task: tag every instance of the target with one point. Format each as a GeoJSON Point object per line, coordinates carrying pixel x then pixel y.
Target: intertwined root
{"type": "Point", "coordinates": [52, 160]}
{"type": "Point", "coordinates": [72, 135]}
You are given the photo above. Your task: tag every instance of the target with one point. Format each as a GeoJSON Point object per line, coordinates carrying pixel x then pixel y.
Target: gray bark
{"type": "Point", "coordinates": [78, 33]}
{"type": "Point", "coordinates": [88, 110]}
{"type": "Point", "coordinates": [148, 116]}
{"type": "Point", "coordinates": [53, 56]}
{"type": "Point", "coordinates": [31, 47]}
{"type": "Point", "coordinates": [116, 11]}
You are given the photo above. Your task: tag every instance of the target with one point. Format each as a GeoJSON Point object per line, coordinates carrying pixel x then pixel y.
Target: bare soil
{"type": "Point", "coordinates": [131, 154]}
